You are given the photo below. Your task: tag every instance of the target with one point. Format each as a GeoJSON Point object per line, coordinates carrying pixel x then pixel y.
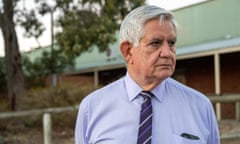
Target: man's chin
{"type": "Point", "coordinates": [163, 76]}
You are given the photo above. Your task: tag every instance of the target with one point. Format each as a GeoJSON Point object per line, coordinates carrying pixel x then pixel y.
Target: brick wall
{"type": "Point", "coordinates": [230, 80]}
{"type": "Point", "coordinates": [75, 79]}
{"type": "Point", "coordinates": [199, 74]}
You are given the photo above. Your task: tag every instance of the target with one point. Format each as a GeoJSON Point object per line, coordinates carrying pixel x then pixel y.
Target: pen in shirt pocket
{"type": "Point", "coordinates": [189, 136]}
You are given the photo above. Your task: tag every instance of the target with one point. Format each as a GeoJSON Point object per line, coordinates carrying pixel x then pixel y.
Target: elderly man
{"type": "Point", "coordinates": [147, 106]}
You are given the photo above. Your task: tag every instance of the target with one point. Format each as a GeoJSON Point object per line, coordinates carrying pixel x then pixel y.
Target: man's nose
{"type": "Point", "coordinates": [165, 50]}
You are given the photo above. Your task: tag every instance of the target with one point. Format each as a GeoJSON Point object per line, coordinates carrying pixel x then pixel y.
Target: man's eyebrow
{"type": "Point", "coordinates": [156, 39]}
{"type": "Point", "coordinates": [160, 39]}
{"type": "Point", "coordinates": [173, 38]}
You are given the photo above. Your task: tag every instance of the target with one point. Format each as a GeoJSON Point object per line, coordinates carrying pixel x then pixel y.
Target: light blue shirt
{"type": "Point", "coordinates": [110, 115]}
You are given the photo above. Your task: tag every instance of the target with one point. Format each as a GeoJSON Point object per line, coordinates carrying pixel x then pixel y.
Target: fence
{"type": "Point", "coordinates": [227, 99]}
{"type": "Point", "coordinates": [47, 123]}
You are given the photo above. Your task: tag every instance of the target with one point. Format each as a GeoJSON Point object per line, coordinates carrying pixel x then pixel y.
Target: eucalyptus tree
{"type": "Point", "coordinates": [82, 23]}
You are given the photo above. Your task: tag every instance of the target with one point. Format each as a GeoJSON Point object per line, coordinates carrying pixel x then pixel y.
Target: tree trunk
{"type": "Point", "coordinates": [13, 62]}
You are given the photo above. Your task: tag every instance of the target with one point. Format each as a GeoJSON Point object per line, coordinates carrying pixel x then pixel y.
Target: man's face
{"type": "Point", "coordinates": [155, 56]}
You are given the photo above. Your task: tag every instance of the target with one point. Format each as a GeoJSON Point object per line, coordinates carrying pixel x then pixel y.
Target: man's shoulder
{"type": "Point", "coordinates": [111, 87]}
{"type": "Point", "coordinates": [185, 90]}
{"type": "Point", "coordinates": [106, 91]}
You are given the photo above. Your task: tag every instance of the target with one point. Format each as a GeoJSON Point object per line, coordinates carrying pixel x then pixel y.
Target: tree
{"type": "Point", "coordinates": [38, 70]}
{"type": "Point", "coordinates": [94, 22]}
{"type": "Point", "coordinates": [13, 62]}
{"type": "Point", "coordinates": [82, 27]}
{"type": "Point", "coordinates": [84, 23]}
{"type": "Point", "coordinates": [2, 76]}
{"type": "Point", "coordinates": [10, 16]}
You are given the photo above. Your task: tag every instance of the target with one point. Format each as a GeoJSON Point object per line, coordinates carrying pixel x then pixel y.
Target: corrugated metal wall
{"type": "Point", "coordinates": [208, 21]}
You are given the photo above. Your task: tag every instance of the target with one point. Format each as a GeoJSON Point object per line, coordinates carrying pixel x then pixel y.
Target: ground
{"type": "Point", "coordinates": [35, 136]}
{"type": "Point", "coordinates": [231, 141]}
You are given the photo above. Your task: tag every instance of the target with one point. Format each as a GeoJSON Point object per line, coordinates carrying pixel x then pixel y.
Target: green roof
{"type": "Point", "coordinates": [95, 59]}
{"type": "Point", "coordinates": [38, 52]}
{"type": "Point", "coordinates": [208, 21]}
{"type": "Point", "coordinates": [208, 26]}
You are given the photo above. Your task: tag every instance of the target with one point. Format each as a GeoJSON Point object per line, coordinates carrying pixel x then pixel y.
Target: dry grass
{"type": "Point", "coordinates": [24, 129]}
{"type": "Point", "coordinates": [64, 95]}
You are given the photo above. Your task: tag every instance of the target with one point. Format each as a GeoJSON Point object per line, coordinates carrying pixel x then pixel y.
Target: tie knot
{"type": "Point", "coordinates": [146, 94]}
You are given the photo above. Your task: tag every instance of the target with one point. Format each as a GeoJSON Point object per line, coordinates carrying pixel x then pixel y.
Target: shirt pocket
{"type": "Point", "coordinates": [176, 139]}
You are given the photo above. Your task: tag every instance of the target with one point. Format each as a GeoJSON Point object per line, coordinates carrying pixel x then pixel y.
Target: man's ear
{"type": "Point", "coordinates": [125, 48]}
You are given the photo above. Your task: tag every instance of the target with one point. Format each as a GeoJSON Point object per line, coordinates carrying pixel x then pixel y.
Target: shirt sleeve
{"type": "Point", "coordinates": [81, 124]}
{"type": "Point", "coordinates": [214, 137]}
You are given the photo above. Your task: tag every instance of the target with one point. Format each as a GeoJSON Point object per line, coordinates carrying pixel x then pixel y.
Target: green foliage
{"type": "Point", "coordinates": [29, 21]}
{"type": "Point", "coordinates": [83, 23]}
{"type": "Point", "coordinates": [40, 68]}
{"type": "Point", "coordinates": [93, 23]}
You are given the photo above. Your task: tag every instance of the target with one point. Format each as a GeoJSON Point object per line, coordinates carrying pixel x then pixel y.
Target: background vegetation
{"type": "Point", "coordinates": [83, 24]}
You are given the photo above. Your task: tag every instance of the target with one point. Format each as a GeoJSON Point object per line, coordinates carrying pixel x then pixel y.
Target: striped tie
{"type": "Point", "coordinates": [145, 124]}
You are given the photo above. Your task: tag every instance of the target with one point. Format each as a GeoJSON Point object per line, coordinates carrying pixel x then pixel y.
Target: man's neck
{"type": "Point", "coordinates": [146, 83]}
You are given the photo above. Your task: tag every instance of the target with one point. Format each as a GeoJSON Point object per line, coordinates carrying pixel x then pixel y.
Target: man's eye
{"type": "Point", "coordinates": [171, 43]}
{"type": "Point", "coordinates": [155, 44]}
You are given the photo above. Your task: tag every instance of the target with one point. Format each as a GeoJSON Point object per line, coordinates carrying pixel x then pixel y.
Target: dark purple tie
{"type": "Point", "coordinates": [145, 124]}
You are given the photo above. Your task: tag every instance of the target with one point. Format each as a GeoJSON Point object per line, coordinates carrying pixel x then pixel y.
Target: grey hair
{"type": "Point", "coordinates": [132, 27]}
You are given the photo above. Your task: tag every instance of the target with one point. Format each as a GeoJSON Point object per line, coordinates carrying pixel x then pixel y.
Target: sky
{"type": "Point", "coordinates": [26, 44]}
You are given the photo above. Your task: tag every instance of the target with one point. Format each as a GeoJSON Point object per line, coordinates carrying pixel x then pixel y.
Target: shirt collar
{"type": "Point", "coordinates": [133, 89]}
{"type": "Point", "coordinates": [160, 91]}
